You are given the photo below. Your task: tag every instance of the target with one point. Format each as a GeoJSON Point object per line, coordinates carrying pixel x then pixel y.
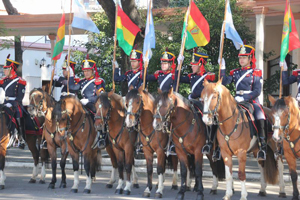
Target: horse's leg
{"type": "Point", "coordinates": [31, 142]}
{"type": "Point", "coordinates": [87, 167]}
{"type": "Point", "coordinates": [198, 172]}
{"type": "Point", "coordinates": [44, 158]}
{"type": "Point", "coordinates": [149, 160]}
{"type": "Point", "coordinates": [2, 165]}
{"type": "Point", "coordinates": [64, 156]}
{"type": "Point", "coordinates": [53, 156]}
{"type": "Point", "coordinates": [242, 158]}
{"type": "Point", "coordinates": [293, 173]}
{"type": "Point", "coordinates": [183, 171]}
{"type": "Point", "coordinates": [175, 175]}
{"type": "Point", "coordinates": [214, 171]}
{"type": "Point", "coordinates": [228, 174]}
{"type": "Point", "coordinates": [75, 162]}
{"type": "Point", "coordinates": [113, 176]}
{"type": "Point", "coordinates": [120, 160]}
{"type": "Point", "coordinates": [135, 178]}
{"type": "Point", "coordinates": [161, 156]}
{"type": "Point", "coordinates": [129, 160]}
{"type": "Point", "coordinates": [263, 184]}
{"type": "Point", "coordinates": [281, 181]}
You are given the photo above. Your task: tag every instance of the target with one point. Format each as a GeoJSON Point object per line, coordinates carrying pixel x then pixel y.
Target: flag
{"type": "Point", "coordinates": [82, 20]}
{"type": "Point", "coordinates": [290, 37]}
{"type": "Point", "coordinates": [149, 42]}
{"type": "Point", "coordinates": [230, 30]}
{"type": "Point", "coordinates": [126, 31]}
{"type": "Point", "coordinates": [60, 39]}
{"type": "Point", "coordinates": [197, 28]}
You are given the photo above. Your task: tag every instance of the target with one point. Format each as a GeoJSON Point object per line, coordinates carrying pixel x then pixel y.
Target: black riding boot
{"type": "Point", "coordinates": [171, 150]}
{"type": "Point", "coordinates": [210, 134]}
{"type": "Point", "coordinates": [102, 139]}
{"type": "Point", "coordinates": [21, 132]}
{"type": "Point", "coordinates": [261, 155]}
{"type": "Point", "coordinates": [44, 144]}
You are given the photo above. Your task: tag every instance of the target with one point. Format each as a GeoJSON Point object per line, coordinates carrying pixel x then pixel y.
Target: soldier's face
{"type": "Point", "coordinates": [244, 61]}
{"type": "Point", "coordinates": [196, 68]}
{"type": "Point", "coordinates": [134, 64]}
{"type": "Point", "coordinates": [65, 73]}
{"type": "Point", "coordinates": [88, 73]}
{"type": "Point", "coordinates": [165, 66]}
{"type": "Point", "coordinates": [6, 72]}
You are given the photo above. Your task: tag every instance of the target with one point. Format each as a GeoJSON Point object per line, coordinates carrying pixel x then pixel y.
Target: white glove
{"type": "Point", "coordinates": [116, 64]}
{"type": "Point", "coordinates": [298, 97]}
{"type": "Point", "coordinates": [55, 78]}
{"type": "Point", "coordinates": [8, 105]}
{"type": "Point", "coordinates": [223, 66]}
{"type": "Point", "coordinates": [284, 65]}
{"type": "Point", "coordinates": [180, 58]}
{"type": "Point", "coordinates": [71, 72]}
{"type": "Point", "coordinates": [239, 99]}
{"type": "Point", "coordinates": [84, 101]}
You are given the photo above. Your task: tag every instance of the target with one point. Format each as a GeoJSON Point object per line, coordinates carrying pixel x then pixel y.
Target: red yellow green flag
{"type": "Point", "coordinates": [60, 39]}
{"type": "Point", "coordinates": [290, 37]}
{"type": "Point", "coordinates": [197, 28]}
{"type": "Point", "coordinates": [126, 31]}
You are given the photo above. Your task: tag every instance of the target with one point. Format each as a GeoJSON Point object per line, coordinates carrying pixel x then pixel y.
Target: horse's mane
{"type": "Point", "coordinates": [134, 94]}
{"type": "Point", "coordinates": [293, 104]}
{"type": "Point", "coordinates": [105, 99]}
{"type": "Point", "coordinates": [75, 101]}
{"type": "Point", "coordinates": [165, 95]}
{"type": "Point", "coordinates": [49, 99]}
{"type": "Point", "coordinates": [279, 105]}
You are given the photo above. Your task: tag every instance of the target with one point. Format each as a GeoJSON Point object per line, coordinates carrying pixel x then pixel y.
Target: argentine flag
{"type": "Point", "coordinates": [149, 42]}
{"type": "Point", "coordinates": [82, 20]}
{"type": "Point", "coordinates": [230, 31]}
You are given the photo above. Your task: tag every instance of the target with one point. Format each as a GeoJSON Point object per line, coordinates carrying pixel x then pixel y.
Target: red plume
{"type": "Point", "coordinates": [8, 55]}
{"type": "Point", "coordinates": [195, 49]}
{"type": "Point", "coordinates": [87, 56]}
{"type": "Point", "coordinates": [135, 46]}
{"type": "Point", "coordinates": [245, 41]}
{"type": "Point", "coordinates": [66, 58]}
{"type": "Point", "coordinates": [167, 49]}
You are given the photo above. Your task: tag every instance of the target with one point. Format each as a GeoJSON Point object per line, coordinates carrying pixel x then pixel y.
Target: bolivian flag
{"type": "Point", "coordinates": [60, 39]}
{"type": "Point", "coordinates": [126, 31]}
{"type": "Point", "coordinates": [197, 28]}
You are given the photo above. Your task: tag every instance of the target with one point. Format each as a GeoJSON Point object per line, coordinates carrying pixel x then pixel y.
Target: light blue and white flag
{"type": "Point", "coordinates": [149, 42]}
{"type": "Point", "coordinates": [82, 20]}
{"type": "Point", "coordinates": [230, 31]}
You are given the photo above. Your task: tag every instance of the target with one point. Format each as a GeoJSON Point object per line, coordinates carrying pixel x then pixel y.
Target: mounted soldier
{"type": "Point", "coordinates": [89, 86]}
{"type": "Point", "coordinates": [248, 83]}
{"type": "Point", "coordinates": [14, 88]}
{"type": "Point", "coordinates": [294, 78]}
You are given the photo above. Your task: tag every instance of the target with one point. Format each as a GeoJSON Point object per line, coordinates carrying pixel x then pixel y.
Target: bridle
{"type": "Point", "coordinates": [165, 119]}
{"type": "Point", "coordinates": [136, 115]}
{"type": "Point", "coordinates": [37, 106]}
{"type": "Point", "coordinates": [106, 118]}
{"type": "Point", "coordinates": [68, 125]}
{"type": "Point", "coordinates": [214, 112]}
{"type": "Point", "coordinates": [286, 127]}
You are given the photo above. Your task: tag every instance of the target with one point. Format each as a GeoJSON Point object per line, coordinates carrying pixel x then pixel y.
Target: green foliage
{"type": "Point", "coordinates": [6, 43]}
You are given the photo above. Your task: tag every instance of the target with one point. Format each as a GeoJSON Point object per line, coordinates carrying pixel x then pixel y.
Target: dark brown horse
{"type": "Point", "coordinates": [140, 111]}
{"type": "Point", "coordinates": [234, 136]}
{"type": "Point", "coordinates": [188, 134]}
{"type": "Point", "coordinates": [76, 124]}
{"type": "Point", "coordinates": [111, 113]}
{"type": "Point", "coordinates": [285, 116]}
{"type": "Point", "coordinates": [42, 104]}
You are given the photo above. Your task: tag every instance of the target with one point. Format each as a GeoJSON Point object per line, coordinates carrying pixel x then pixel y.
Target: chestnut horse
{"type": "Point", "coordinates": [285, 116]}
{"type": "Point", "coordinates": [234, 137]}
{"type": "Point", "coordinates": [140, 108]}
{"type": "Point", "coordinates": [110, 113]}
{"type": "Point", "coordinates": [188, 134]}
{"type": "Point", "coordinates": [42, 104]}
{"type": "Point", "coordinates": [75, 123]}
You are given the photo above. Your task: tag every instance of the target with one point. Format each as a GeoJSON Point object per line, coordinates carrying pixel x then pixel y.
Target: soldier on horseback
{"type": "Point", "coordinates": [14, 88]}
{"type": "Point", "coordinates": [248, 83]}
{"type": "Point", "coordinates": [89, 86]}
{"type": "Point", "coordinates": [195, 79]}
{"type": "Point", "coordinates": [295, 77]}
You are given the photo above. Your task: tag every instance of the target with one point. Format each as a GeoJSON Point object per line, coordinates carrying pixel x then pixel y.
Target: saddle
{"type": "Point", "coordinates": [248, 109]}
{"type": "Point", "coordinates": [32, 126]}
{"type": "Point", "coordinates": [11, 123]}
{"type": "Point", "coordinates": [197, 105]}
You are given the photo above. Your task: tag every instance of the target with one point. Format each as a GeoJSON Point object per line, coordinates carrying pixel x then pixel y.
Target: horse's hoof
{"type": "Point", "coordinates": [188, 189]}
{"type": "Point", "coordinates": [156, 186]}
{"type": "Point", "coordinates": [126, 192]}
{"type": "Point", "coordinates": [1, 187]}
{"type": "Point", "coordinates": [136, 185]}
{"type": "Point", "coordinates": [295, 198]}
{"type": "Point", "coordinates": [282, 195]}
{"type": "Point", "coordinates": [262, 194]}
{"type": "Point", "coordinates": [158, 195]}
{"type": "Point", "coordinates": [174, 187]}
{"type": "Point", "coordinates": [51, 186]}
{"type": "Point", "coordinates": [74, 190]}
{"type": "Point", "coordinates": [213, 192]}
{"type": "Point", "coordinates": [32, 181]}
{"type": "Point", "coordinates": [200, 197]}
{"type": "Point", "coordinates": [42, 182]}
{"type": "Point", "coordinates": [119, 191]}
{"type": "Point", "coordinates": [146, 194]}
{"type": "Point", "coordinates": [180, 196]}
{"type": "Point", "coordinates": [195, 189]}
{"type": "Point", "coordinates": [226, 198]}
{"type": "Point", "coordinates": [109, 185]}
{"type": "Point", "coordinates": [233, 191]}
{"type": "Point", "coordinates": [63, 185]}
{"type": "Point", "coordinates": [86, 191]}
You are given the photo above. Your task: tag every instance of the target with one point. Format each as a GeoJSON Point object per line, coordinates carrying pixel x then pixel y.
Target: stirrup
{"type": "Point", "coordinates": [44, 145]}
{"type": "Point", "coordinates": [11, 141]}
{"type": "Point", "coordinates": [261, 155]}
{"type": "Point", "coordinates": [139, 149]}
{"type": "Point", "coordinates": [171, 151]}
{"type": "Point", "coordinates": [101, 144]}
{"type": "Point", "coordinates": [206, 149]}
{"type": "Point", "coordinates": [216, 155]}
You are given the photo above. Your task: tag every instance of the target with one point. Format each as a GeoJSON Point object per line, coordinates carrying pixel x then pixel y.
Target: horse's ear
{"type": "Point", "coordinates": [121, 113]}
{"type": "Point", "coordinates": [220, 81]}
{"type": "Point", "coordinates": [111, 93]}
{"type": "Point", "coordinates": [271, 99]}
{"type": "Point", "coordinates": [141, 89]}
{"type": "Point", "coordinates": [170, 92]}
{"type": "Point", "coordinates": [159, 91]}
{"type": "Point", "coordinates": [205, 82]}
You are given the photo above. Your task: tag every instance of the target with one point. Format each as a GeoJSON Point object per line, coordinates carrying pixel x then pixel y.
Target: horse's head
{"type": "Point", "coordinates": [164, 106]}
{"type": "Point", "coordinates": [134, 105]}
{"type": "Point", "coordinates": [37, 103]}
{"type": "Point", "coordinates": [285, 116]}
{"type": "Point", "coordinates": [211, 97]}
{"type": "Point", "coordinates": [103, 110]}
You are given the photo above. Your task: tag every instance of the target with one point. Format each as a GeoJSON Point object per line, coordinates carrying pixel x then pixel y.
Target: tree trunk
{"type": "Point", "coordinates": [18, 46]}
{"type": "Point", "coordinates": [160, 3]}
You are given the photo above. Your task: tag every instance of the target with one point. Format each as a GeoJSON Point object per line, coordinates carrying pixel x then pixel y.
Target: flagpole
{"type": "Point", "coordinates": [182, 46]}
{"type": "Point", "coordinates": [69, 49]}
{"type": "Point", "coordinates": [52, 75]}
{"type": "Point", "coordinates": [147, 52]}
{"type": "Point", "coordinates": [280, 82]}
{"type": "Point", "coordinates": [222, 39]}
{"type": "Point", "coordinates": [115, 46]}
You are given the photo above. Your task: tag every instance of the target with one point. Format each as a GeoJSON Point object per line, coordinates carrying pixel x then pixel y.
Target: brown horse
{"type": "Point", "coordinates": [76, 124]}
{"type": "Point", "coordinates": [111, 113]}
{"type": "Point", "coordinates": [42, 104]}
{"type": "Point", "coordinates": [234, 136]}
{"type": "Point", "coordinates": [140, 111]}
{"type": "Point", "coordinates": [285, 116]}
{"type": "Point", "coordinates": [188, 134]}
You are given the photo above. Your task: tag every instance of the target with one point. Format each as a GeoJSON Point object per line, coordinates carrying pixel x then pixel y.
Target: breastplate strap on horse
{"type": "Point", "coordinates": [13, 81]}
{"type": "Point", "coordinates": [242, 77]}
{"type": "Point", "coordinates": [197, 82]}
{"type": "Point", "coordinates": [91, 81]}
{"type": "Point", "coordinates": [164, 81]}
{"type": "Point", "coordinates": [133, 78]}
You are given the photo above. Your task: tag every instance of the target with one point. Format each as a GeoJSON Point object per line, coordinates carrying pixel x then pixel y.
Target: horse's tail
{"type": "Point", "coordinates": [218, 169]}
{"type": "Point", "coordinates": [271, 168]}
{"type": "Point", "coordinates": [45, 156]}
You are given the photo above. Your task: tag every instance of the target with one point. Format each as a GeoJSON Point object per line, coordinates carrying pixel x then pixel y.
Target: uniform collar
{"type": "Point", "coordinates": [246, 68]}
{"type": "Point", "coordinates": [166, 72]}
{"type": "Point", "coordinates": [136, 71]}
{"type": "Point", "coordinates": [13, 76]}
{"type": "Point", "coordinates": [92, 77]}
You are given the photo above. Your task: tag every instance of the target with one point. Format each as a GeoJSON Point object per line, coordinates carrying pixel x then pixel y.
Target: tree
{"type": "Point", "coordinates": [160, 3]}
{"type": "Point", "coordinates": [18, 46]}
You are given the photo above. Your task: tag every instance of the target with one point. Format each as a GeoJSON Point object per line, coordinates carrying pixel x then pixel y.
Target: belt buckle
{"type": "Point", "coordinates": [6, 98]}
{"type": "Point", "coordinates": [241, 92]}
